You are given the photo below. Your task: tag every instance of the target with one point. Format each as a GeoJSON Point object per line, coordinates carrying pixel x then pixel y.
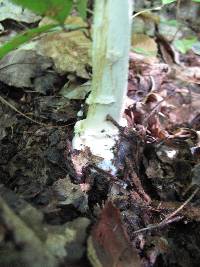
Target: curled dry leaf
{"type": "Point", "coordinates": [188, 135]}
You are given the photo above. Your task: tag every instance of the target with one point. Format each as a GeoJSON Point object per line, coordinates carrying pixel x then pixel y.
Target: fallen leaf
{"type": "Point", "coordinates": [9, 10]}
{"type": "Point", "coordinates": [20, 67]}
{"type": "Point", "coordinates": [70, 51]}
{"type": "Point", "coordinates": [108, 245]}
{"type": "Point", "coordinates": [75, 91]}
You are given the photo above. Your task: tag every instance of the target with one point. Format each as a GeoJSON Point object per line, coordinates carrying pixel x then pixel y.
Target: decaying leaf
{"type": "Point", "coordinates": [70, 20]}
{"type": "Point", "coordinates": [20, 67]}
{"type": "Point", "coordinates": [56, 9]}
{"type": "Point", "coordinates": [71, 194]}
{"type": "Point", "coordinates": [9, 10]}
{"type": "Point", "coordinates": [70, 51]}
{"type": "Point", "coordinates": [7, 121]}
{"type": "Point", "coordinates": [75, 91]}
{"type": "Point", "coordinates": [108, 245]}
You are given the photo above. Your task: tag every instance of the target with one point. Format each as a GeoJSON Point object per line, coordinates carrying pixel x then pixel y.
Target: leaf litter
{"type": "Point", "coordinates": [147, 215]}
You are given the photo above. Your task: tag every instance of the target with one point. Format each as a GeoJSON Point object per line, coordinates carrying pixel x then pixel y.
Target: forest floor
{"type": "Point", "coordinates": [146, 215]}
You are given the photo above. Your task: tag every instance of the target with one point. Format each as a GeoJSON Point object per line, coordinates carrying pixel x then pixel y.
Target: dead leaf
{"type": "Point", "coordinates": [9, 10]}
{"type": "Point", "coordinates": [71, 194]}
{"type": "Point", "coordinates": [69, 20]}
{"type": "Point", "coordinates": [75, 90]}
{"type": "Point", "coordinates": [108, 246]}
{"type": "Point", "coordinates": [20, 67]}
{"type": "Point", "coordinates": [70, 51]}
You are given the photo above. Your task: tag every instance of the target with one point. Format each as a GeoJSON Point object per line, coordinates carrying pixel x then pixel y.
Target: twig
{"type": "Point", "coordinates": [117, 125]}
{"type": "Point", "coordinates": [27, 117]}
{"type": "Point", "coordinates": [155, 108]}
{"type": "Point", "coordinates": [153, 111]}
{"type": "Point", "coordinates": [90, 11]}
{"type": "Point", "coordinates": [147, 10]}
{"type": "Point", "coordinates": [178, 9]}
{"type": "Point", "coordinates": [182, 206]}
{"type": "Point", "coordinates": [114, 122]}
{"type": "Point", "coordinates": [170, 218]}
{"type": "Point", "coordinates": [157, 225]}
{"type": "Point", "coordinates": [18, 111]}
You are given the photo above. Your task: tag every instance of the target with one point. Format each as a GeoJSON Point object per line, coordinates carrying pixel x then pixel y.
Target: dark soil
{"type": "Point", "coordinates": [147, 215]}
{"type": "Point", "coordinates": [35, 160]}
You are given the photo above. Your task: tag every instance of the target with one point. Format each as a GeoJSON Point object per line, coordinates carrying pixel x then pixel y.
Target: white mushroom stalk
{"type": "Point", "coordinates": [110, 53]}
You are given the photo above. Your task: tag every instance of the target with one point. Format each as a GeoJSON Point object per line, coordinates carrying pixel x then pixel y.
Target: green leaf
{"type": "Point", "coordinates": [28, 35]}
{"type": "Point", "coordinates": [172, 22]}
{"type": "Point", "coordinates": [82, 8]}
{"type": "Point", "coordinates": [56, 9]}
{"type": "Point", "coordinates": [23, 38]}
{"type": "Point", "coordinates": [197, 1]}
{"type": "Point", "coordinates": [143, 52]}
{"type": "Point", "coordinates": [185, 44]}
{"type": "Point", "coordinates": [165, 2]}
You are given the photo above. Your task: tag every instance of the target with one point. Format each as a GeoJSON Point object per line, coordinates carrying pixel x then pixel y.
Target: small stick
{"type": "Point", "coordinates": [182, 206]}
{"type": "Point", "coordinates": [114, 122]}
{"type": "Point", "coordinates": [5, 102]}
{"type": "Point", "coordinates": [157, 225]}
{"type": "Point", "coordinates": [147, 10]}
{"type": "Point", "coordinates": [18, 111]}
{"type": "Point", "coordinates": [170, 218]}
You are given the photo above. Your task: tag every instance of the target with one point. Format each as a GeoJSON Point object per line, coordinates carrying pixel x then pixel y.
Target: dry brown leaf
{"type": "Point", "coordinates": [108, 246]}
{"type": "Point", "coordinates": [70, 51]}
